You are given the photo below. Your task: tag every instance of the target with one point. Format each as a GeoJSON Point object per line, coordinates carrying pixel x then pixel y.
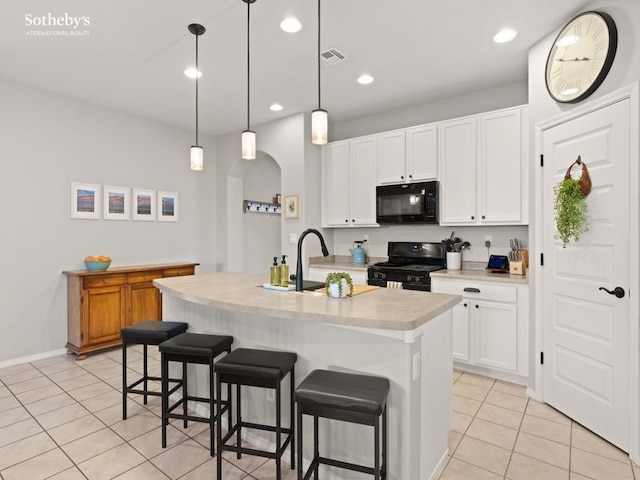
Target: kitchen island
{"type": "Point", "coordinates": [402, 335]}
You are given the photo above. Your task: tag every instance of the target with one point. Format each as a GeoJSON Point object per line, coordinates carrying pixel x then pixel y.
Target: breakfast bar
{"type": "Point", "coordinates": [400, 334]}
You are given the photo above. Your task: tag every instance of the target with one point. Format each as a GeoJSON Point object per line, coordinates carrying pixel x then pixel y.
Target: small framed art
{"type": "Point", "coordinates": [115, 203]}
{"type": "Point", "coordinates": [167, 206]}
{"type": "Point", "coordinates": [144, 205]}
{"type": "Point", "coordinates": [85, 201]}
{"type": "Point", "coordinates": [291, 206]}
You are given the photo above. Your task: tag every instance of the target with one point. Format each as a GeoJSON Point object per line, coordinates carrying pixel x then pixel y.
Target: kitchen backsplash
{"type": "Point", "coordinates": [376, 246]}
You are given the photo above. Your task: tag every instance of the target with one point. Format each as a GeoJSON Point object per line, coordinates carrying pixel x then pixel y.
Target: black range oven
{"type": "Point", "coordinates": [409, 265]}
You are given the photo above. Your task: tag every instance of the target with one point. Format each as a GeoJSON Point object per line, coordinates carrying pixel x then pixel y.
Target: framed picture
{"type": "Point", "coordinates": [291, 206]}
{"type": "Point", "coordinates": [85, 200]}
{"type": "Point", "coordinates": [144, 205]}
{"type": "Point", "coordinates": [167, 206]}
{"type": "Point", "coordinates": [115, 203]}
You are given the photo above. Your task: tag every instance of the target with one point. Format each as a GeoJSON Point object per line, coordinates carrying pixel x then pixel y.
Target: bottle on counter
{"type": "Point", "coordinates": [284, 272]}
{"type": "Point", "coordinates": [275, 272]}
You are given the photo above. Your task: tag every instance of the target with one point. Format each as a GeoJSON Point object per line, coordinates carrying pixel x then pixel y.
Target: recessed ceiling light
{"type": "Point", "coordinates": [365, 79]}
{"type": "Point", "coordinates": [191, 72]}
{"type": "Point", "coordinates": [276, 107]}
{"type": "Point", "coordinates": [505, 35]}
{"type": "Point", "coordinates": [290, 25]}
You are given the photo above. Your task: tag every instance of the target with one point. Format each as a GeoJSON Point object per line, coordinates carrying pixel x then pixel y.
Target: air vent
{"type": "Point", "coordinates": [331, 56]}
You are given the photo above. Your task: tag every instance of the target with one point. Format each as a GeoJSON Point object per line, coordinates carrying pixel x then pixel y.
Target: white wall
{"type": "Point", "coordinates": [261, 231]}
{"type": "Point", "coordinates": [480, 101]}
{"type": "Point", "coordinates": [624, 71]}
{"type": "Point", "coordinates": [46, 142]}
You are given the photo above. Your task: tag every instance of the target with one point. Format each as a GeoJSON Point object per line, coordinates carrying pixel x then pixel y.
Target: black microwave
{"type": "Point", "coordinates": [407, 203]}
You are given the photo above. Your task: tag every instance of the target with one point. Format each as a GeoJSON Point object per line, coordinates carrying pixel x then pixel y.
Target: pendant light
{"type": "Point", "coordinates": [248, 136]}
{"type": "Point", "coordinates": [197, 152]}
{"type": "Point", "coordinates": [319, 117]}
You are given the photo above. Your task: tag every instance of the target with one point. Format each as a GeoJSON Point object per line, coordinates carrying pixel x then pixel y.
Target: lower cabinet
{"type": "Point", "coordinates": [100, 304]}
{"type": "Point", "coordinates": [490, 327]}
{"type": "Point", "coordinates": [358, 275]}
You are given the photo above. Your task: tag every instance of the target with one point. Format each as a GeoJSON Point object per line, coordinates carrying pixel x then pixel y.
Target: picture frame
{"type": "Point", "coordinates": [143, 205]}
{"type": "Point", "coordinates": [85, 201]}
{"type": "Point", "coordinates": [116, 203]}
{"type": "Point", "coordinates": [167, 206]}
{"type": "Point", "coordinates": [291, 206]}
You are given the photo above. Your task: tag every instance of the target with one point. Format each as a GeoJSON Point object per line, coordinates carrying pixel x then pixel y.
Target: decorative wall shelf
{"type": "Point", "coordinates": [253, 206]}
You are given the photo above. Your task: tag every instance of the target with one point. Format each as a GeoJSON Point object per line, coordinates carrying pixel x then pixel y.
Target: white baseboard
{"type": "Point", "coordinates": [32, 358]}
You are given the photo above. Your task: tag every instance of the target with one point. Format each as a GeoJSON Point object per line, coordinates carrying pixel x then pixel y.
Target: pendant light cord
{"type": "Point", "coordinates": [319, 104]}
{"type": "Point", "coordinates": [197, 74]}
{"type": "Point", "coordinates": [248, 66]}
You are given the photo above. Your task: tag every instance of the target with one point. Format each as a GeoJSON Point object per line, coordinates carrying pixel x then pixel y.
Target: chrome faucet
{"type": "Point", "coordinates": [325, 252]}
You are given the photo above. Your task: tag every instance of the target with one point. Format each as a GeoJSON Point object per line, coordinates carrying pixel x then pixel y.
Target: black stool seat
{"type": "Point", "coordinates": [257, 368]}
{"type": "Point", "coordinates": [197, 345]}
{"type": "Point", "coordinates": [148, 332]}
{"type": "Point", "coordinates": [152, 332]}
{"type": "Point", "coordinates": [198, 348]}
{"type": "Point", "coordinates": [344, 391]}
{"type": "Point", "coordinates": [350, 398]}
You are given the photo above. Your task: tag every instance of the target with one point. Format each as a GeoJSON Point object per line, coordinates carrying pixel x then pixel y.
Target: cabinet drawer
{"type": "Point", "coordinates": [481, 291]}
{"type": "Point", "coordinates": [178, 272]}
{"type": "Point", "coordinates": [141, 277]}
{"type": "Point", "coordinates": [103, 280]}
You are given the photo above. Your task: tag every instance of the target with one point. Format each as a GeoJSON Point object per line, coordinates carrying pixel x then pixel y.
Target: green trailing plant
{"type": "Point", "coordinates": [337, 277]}
{"type": "Point", "coordinates": [570, 207]}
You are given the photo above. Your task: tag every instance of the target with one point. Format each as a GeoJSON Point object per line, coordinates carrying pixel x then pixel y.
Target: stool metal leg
{"type": "Point", "coordinates": [239, 422]}
{"type": "Point", "coordinates": [376, 448]}
{"type": "Point", "coordinates": [384, 443]}
{"type": "Point", "coordinates": [278, 432]}
{"type": "Point", "coordinates": [185, 394]}
{"type": "Point", "coordinates": [213, 412]}
{"type": "Point", "coordinates": [291, 420]}
{"type": "Point", "coordinates": [219, 429]}
{"type": "Point", "coordinates": [145, 373]}
{"type": "Point", "coordinates": [316, 449]}
{"type": "Point", "coordinates": [299, 442]}
{"type": "Point", "coordinates": [124, 379]}
{"type": "Point", "coordinates": [164, 369]}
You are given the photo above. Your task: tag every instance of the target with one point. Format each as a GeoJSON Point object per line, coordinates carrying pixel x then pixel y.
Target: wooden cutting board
{"type": "Point", "coordinates": [357, 289]}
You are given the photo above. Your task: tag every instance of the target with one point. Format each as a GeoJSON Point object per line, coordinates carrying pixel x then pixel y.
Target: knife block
{"type": "Point", "coordinates": [520, 267]}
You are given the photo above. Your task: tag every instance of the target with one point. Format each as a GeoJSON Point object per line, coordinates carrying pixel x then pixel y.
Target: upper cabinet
{"type": "Point", "coordinates": [349, 183]}
{"type": "Point", "coordinates": [483, 174]}
{"type": "Point", "coordinates": [408, 155]}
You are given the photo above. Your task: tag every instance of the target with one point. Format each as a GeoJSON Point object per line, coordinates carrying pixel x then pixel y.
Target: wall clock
{"type": "Point", "coordinates": [581, 57]}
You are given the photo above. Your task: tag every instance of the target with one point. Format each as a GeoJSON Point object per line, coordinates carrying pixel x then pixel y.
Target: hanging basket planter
{"type": "Point", "coordinates": [570, 205]}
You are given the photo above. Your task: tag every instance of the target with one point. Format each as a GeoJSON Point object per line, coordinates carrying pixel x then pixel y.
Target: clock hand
{"type": "Point", "coordinates": [583, 59]}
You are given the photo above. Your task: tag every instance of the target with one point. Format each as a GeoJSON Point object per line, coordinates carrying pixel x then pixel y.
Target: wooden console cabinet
{"type": "Point", "coordinates": [99, 304]}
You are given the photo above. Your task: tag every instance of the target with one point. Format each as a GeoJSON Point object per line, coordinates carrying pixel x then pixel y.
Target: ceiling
{"type": "Point", "coordinates": [134, 53]}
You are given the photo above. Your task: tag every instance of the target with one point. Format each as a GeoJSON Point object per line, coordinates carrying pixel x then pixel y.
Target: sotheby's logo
{"type": "Point", "coordinates": [50, 25]}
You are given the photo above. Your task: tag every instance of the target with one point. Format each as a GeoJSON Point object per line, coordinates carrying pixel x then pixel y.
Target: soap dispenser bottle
{"type": "Point", "coordinates": [275, 272]}
{"type": "Point", "coordinates": [284, 272]}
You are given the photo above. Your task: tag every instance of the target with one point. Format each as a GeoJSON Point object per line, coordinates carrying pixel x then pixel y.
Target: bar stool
{"type": "Point", "coordinates": [197, 348]}
{"type": "Point", "coordinates": [257, 368]}
{"type": "Point", "coordinates": [348, 397]}
{"type": "Point", "coordinates": [150, 332]}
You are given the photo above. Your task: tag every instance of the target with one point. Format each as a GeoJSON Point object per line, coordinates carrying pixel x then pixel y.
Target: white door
{"type": "Point", "coordinates": [586, 330]}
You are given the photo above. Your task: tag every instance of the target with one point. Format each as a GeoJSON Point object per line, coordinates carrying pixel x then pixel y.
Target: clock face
{"type": "Point", "coordinates": [581, 57]}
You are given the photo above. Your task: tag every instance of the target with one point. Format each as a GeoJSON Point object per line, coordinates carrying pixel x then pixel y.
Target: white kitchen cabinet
{"type": "Point", "coordinates": [457, 156]}
{"type": "Point", "coordinates": [319, 274]}
{"type": "Point", "coordinates": [408, 155]}
{"type": "Point", "coordinates": [490, 327]}
{"type": "Point", "coordinates": [391, 157]}
{"type": "Point", "coordinates": [483, 170]}
{"type": "Point", "coordinates": [349, 183]}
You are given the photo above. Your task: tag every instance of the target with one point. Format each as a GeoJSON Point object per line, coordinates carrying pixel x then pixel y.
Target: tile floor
{"type": "Point", "coordinates": [61, 419]}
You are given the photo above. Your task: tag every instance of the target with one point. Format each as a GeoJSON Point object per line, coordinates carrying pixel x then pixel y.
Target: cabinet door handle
{"type": "Point", "coordinates": [483, 217]}
{"type": "Point", "coordinates": [471, 289]}
{"type": "Point", "coordinates": [477, 306]}
{"type": "Point", "coordinates": [473, 217]}
{"type": "Point", "coordinates": [465, 304]}
{"type": "Point", "coordinates": [410, 176]}
{"type": "Point", "coordinates": [346, 220]}
{"type": "Point", "coordinates": [401, 177]}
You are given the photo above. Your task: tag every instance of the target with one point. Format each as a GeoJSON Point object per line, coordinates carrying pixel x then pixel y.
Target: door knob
{"type": "Point", "coordinates": [618, 291]}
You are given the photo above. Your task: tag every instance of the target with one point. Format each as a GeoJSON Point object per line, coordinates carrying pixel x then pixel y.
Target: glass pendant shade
{"type": "Point", "coordinates": [248, 145]}
{"type": "Point", "coordinates": [319, 127]}
{"type": "Point", "coordinates": [197, 158]}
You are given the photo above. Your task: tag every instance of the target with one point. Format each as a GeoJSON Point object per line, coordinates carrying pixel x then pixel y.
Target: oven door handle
{"type": "Point", "coordinates": [471, 289]}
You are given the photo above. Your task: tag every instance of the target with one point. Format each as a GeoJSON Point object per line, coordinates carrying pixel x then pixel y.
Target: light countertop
{"type": "Point", "coordinates": [333, 262]}
{"type": "Point", "coordinates": [473, 274]}
{"type": "Point", "coordinates": [381, 308]}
